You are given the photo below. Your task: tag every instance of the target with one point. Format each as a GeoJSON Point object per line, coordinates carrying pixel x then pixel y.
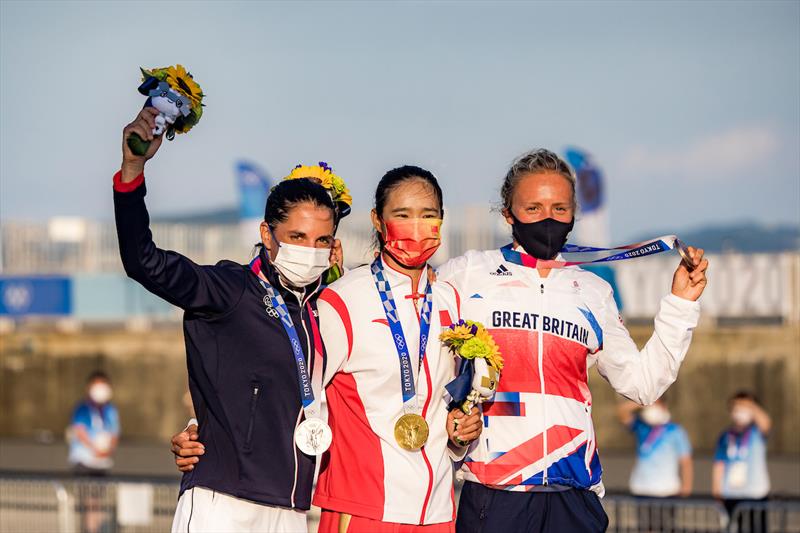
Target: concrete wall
{"type": "Point", "coordinates": [764, 360]}
{"type": "Point", "coordinates": [42, 375]}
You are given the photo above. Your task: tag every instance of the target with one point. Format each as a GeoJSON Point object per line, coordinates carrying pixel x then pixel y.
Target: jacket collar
{"type": "Point", "coordinates": [402, 282]}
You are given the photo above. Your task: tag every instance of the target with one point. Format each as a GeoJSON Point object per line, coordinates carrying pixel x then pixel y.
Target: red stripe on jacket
{"type": "Point", "coordinates": [335, 301]}
{"type": "Point", "coordinates": [342, 486]}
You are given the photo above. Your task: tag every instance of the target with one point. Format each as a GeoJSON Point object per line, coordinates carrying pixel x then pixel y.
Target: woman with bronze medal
{"type": "Point", "coordinates": [536, 467]}
{"type": "Point", "coordinates": [254, 354]}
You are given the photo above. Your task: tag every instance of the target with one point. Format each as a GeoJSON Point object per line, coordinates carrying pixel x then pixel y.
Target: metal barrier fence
{"type": "Point", "coordinates": [628, 514]}
{"type": "Point", "coordinates": [71, 505]}
{"type": "Point", "coordinates": [132, 505]}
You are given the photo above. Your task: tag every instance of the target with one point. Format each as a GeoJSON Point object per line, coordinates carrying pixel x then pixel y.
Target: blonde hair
{"type": "Point", "coordinates": [535, 162]}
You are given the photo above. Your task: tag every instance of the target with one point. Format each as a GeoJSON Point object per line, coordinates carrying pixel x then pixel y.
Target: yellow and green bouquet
{"type": "Point", "coordinates": [481, 363]}
{"type": "Point", "coordinates": [178, 99]}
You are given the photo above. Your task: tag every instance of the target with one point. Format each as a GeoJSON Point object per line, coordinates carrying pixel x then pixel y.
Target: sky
{"type": "Point", "coordinates": [692, 109]}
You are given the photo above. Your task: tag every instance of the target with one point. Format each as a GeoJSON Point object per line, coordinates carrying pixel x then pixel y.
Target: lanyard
{"type": "Point", "coordinates": [308, 398]}
{"type": "Point", "coordinates": [98, 418]}
{"type": "Point", "coordinates": [631, 251]}
{"type": "Point", "coordinates": [406, 372]}
{"type": "Point", "coordinates": [652, 437]}
{"type": "Point", "coordinates": [740, 450]}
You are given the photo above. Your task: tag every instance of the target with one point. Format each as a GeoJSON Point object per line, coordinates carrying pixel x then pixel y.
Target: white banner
{"type": "Point", "coordinates": [741, 286]}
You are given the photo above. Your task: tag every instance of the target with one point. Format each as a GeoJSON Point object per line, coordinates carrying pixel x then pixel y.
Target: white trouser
{"type": "Point", "coordinates": [202, 510]}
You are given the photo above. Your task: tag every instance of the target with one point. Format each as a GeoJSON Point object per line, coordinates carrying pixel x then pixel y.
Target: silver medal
{"type": "Point", "coordinates": [313, 436]}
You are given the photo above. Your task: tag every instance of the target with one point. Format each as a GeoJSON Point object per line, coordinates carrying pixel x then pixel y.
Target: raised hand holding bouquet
{"type": "Point", "coordinates": [481, 363]}
{"type": "Point", "coordinates": [178, 99]}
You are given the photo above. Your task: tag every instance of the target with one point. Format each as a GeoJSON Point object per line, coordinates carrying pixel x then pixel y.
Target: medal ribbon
{"type": "Point", "coordinates": [390, 309]}
{"type": "Point", "coordinates": [739, 450]}
{"type": "Point", "coordinates": [308, 398]}
{"type": "Point", "coordinates": [651, 439]}
{"type": "Point", "coordinates": [631, 251]}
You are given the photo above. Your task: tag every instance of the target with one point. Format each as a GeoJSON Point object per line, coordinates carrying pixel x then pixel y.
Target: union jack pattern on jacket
{"type": "Point", "coordinates": [538, 429]}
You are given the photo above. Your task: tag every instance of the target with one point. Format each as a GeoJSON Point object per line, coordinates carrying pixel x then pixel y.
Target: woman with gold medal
{"type": "Point", "coordinates": [389, 467]}
{"type": "Point", "coordinates": [390, 463]}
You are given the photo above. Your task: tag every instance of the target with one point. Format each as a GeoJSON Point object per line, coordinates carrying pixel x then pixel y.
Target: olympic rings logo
{"type": "Point", "coordinates": [399, 340]}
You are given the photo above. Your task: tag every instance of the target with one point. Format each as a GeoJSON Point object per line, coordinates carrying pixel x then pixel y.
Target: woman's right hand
{"type": "Point", "coordinates": [142, 125]}
{"type": "Point", "coordinates": [187, 449]}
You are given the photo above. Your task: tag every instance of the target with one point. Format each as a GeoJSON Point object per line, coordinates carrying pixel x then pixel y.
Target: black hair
{"type": "Point", "coordinates": [393, 179]}
{"type": "Point", "coordinates": [98, 375]}
{"type": "Point", "coordinates": [399, 175]}
{"type": "Point", "coordinates": [744, 395]}
{"type": "Point", "coordinates": [288, 193]}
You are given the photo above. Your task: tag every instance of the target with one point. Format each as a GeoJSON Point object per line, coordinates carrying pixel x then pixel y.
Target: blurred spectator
{"type": "Point", "coordinates": [739, 474]}
{"type": "Point", "coordinates": [663, 466]}
{"type": "Point", "coordinates": [94, 431]}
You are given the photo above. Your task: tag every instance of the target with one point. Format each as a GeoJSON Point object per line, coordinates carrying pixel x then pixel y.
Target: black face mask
{"type": "Point", "coordinates": [542, 239]}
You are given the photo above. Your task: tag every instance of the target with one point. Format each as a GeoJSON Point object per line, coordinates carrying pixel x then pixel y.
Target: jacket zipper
{"type": "Point", "coordinates": [590, 437]}
{"type": "Point", "coordinates": [421, 369]}
{"type": "Point", "coordinates": [541, 384]}
{"type": "Point", "coordinates": [253, 403]}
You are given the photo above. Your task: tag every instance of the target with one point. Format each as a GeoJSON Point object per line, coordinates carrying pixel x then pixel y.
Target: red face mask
{"type": "Point", "coordinates": [411, 242]}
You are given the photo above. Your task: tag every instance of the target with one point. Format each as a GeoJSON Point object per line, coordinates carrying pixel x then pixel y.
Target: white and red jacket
{"type": "Point", "coordinates": [538, 429]}
{"type": "Point", "coordinates": [366, 473]}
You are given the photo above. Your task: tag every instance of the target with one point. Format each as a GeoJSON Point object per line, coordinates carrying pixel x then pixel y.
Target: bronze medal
{"type": "Point", "coordinates": [683, 251]}
{"type": "Point", "coordinates": [411, 432]}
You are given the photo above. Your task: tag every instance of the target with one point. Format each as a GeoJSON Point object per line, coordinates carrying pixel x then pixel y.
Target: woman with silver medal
{"type": "Point", "coordinates": [250, 334]}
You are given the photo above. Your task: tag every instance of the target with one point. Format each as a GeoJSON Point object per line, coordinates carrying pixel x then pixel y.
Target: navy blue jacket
{"type": "Point", "coordinates": [242, 373]}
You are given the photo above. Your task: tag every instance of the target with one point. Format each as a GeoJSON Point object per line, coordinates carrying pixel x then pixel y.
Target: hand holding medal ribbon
{"type": "Point", "coordinates": [178, 99]}
{"type": "Point", "coordinates": [689, 280]}
{"type": "Point", "coordinates": [630, 251]}
{"type": "Point", "coordinates": [479, 370]}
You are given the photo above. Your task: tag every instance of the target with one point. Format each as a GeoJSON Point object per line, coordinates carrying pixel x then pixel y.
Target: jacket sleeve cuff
{"type": "Point", "coordinates": [127, 187]}
{"type": "Point", "coordinates": [680, 309]}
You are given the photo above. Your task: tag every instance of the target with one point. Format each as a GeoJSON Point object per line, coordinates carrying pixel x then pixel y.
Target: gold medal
{"type": "Point", "coordinates": [411, 432]}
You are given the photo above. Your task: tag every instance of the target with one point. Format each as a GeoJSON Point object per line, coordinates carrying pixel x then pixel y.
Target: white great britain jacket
{"type": "Point", "coordinates": [538, 429]}
{"type": "Point", "coordinates": [366, 473]}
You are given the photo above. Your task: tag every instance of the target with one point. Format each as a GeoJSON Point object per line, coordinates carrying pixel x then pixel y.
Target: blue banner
{"type": "Point", "coordinates": [253, 185]}
{"type": "Point", "coordinates": [591, 189]}
{"type": "Point", "coordinates": [42, 295]}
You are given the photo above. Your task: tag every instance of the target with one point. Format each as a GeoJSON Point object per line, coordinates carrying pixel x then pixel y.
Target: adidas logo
{"type": "Point", "coordinates": [501, 271]}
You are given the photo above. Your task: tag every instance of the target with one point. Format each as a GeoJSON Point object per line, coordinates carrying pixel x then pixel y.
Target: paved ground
{"type": "Point", "coordinates": [154, 459]}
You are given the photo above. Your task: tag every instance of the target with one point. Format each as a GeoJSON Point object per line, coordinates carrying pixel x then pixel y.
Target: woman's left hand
{"type": "Point", "coordinates": [467, 429]}
{"type": "Point", "coordinates": [690, 284]}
